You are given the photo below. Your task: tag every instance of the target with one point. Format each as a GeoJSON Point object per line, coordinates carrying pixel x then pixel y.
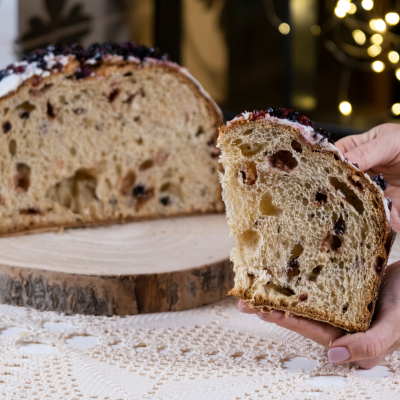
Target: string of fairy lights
{"type": "Point", "coordinates": [381, 40]}
{"type": "Point", "coordinates": [371, 45]}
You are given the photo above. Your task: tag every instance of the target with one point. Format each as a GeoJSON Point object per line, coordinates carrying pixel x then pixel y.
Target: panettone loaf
{"type": "Point", "coordinates": [114, 132]}
{"type": "Point", "coordinates": [312, 230]}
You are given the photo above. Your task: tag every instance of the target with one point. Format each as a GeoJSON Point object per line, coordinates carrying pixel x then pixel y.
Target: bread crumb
{"type": "Point", "coordinates": [330, 343]}
{"type": "Point", "coordinates": [60, 231]}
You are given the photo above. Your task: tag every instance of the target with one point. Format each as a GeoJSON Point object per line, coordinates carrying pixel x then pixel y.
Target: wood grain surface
{"type": "Point", "coordinates": [142, 267]}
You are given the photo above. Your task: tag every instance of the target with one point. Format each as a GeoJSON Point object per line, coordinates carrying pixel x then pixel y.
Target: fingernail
{"type": "Point", "coordinates": [263, 316]}
{"type": "Point", "coordinates": [338, 354]}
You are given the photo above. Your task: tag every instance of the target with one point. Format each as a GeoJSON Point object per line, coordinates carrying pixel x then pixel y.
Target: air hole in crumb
{"type": "Point", "coordinates": [283, 290]}
{"type": "Point", "coordinates": [200, 131]}
{"type": "Point", "coordinates": [267, 207]}
{"type": "Point", "coordinates": [12, 147]}
{"type": "Point", "coordinates": [137, 118]}
{"type": "Point", "coordinates": [7, 127]}
{"type": "Point", "coordinates": [237, 142]}
{"type": "Point", "coordinates": [146, 165]}
{"type": "Point", "coordinates": [128, 183]}
{"type": "Point", "coordinates": [321, 198]}
{"type": "Point", "coordinates": [331, 242]}
{"type": "Point", "coordinates": [296, 251]}
{"type": "Point", "coordinates": [349, 194]}
{"type": "Point", "coordinates": [307, 185]}
{"type": "Point", "coordinates": [75, 192]}
{"type": "Point", "coordinates": [128, 74]}
{"type": "Point", "coordinates": [26, 108]}
{"type": "Point", "coordinates": [113, 95]}
{"type": "Point", "coordinates": [247, 132]}
{"type": "Point", "coordinates": [378, 265]}
{"type": "Point", "coordinates": [50, 110]}
{"type": "Point", "coordinates": [30, 211]}
{"type": "Point", "coordinates": [72, 150]}
{"type": "Point", "coordinates": [248, 173]}
{"type": "Point", "coordinates": [22, 179]}
{"type": "Point", "coordinates": [250, 239]}
{"type": "Point", "coordinates": [355, 181]}
{"type": "Point", "coordinates": [296, 146]}
{"type": "Point", "coordinates": [315, 273]}
{"type": "Point", "coordinates": [283, 160]}
{"type": "Point", "coordinates": [250, 149]}
{"type": "Point", "coordinates": [305, 202]}
{"type": "Point", "coordinates": [345, 308]}
{"type": "Point", "coordinates": [165, 200]}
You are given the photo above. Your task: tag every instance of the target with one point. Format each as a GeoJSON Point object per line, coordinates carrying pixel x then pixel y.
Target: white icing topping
{"type": "Point", "coordinates": [14, 80]}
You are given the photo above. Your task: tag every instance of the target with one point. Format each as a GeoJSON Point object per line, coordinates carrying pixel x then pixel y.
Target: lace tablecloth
{"type": "Point", "coordinates": [212, 352]}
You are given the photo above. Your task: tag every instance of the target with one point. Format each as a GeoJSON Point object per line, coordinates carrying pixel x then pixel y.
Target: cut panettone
{"type": "Point", "coordinates": [312, 230]}
{"type": "Point", "coordinates": [115, 132]}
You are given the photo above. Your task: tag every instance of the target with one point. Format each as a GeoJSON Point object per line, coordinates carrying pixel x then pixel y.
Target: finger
{"type": "Point", "coordinates": [319, 332]}
{"type": "Point", "coordinates": [371, 154]}
{"type": "Point", "coordinates": [351, 142]}
{"type": "Point", "coordinates": [371, 345]}
{"type": "Point", "coordinates": [244, 308]}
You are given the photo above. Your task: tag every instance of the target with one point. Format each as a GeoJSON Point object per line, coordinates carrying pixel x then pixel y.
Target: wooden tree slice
{"type": "Point", "coordinates": [142, 267]}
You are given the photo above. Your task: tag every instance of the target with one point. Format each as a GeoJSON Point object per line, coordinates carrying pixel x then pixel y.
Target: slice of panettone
{"type": "Point", "coordinates": [111, 133]}
{"type": "Point", "coordinates": [312, 230]}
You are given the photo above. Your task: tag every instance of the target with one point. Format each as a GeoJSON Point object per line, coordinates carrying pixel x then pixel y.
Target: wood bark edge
{"type": "Point", "coordinates": [115, 294]}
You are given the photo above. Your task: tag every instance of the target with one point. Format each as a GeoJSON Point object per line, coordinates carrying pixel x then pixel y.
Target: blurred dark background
{"type": "Point", "coordinates": [333, 60]}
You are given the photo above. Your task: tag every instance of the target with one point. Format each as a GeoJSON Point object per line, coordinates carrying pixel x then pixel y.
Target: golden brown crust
{"type": "Point", "coordinates": [384, 229]}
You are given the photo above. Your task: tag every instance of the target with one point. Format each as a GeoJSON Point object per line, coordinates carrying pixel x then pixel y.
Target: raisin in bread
{"type": "Point", "coordinates": [114, 132]}
{"type": "Point", "coordinates": [312, 230]}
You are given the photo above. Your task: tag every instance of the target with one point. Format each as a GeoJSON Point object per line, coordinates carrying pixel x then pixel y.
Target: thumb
{"type": "Point", "coordinates": [369, 155]}
{"type": "Point", "coordinates": [370, 345]}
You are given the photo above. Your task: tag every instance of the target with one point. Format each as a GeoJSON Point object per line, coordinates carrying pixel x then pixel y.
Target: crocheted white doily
{"type": "Point", "coordinates": [213, 352]}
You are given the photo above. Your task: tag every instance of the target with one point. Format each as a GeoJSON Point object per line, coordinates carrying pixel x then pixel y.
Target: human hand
{"type": "Point", "coordinates": [378, 152]}
{"type": "Point", "coordinates": [366, 349]}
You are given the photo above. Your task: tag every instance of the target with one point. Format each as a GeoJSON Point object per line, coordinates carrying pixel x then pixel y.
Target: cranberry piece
{"type": "Point", "coordinates": [303, 297]}
{"type": "Point", "coordinates": [259, 114]}
{"type": "Point", "coordinates": [37, 81]}
{"type": "Point", "coordinates": [7, 127]}
{"type": "Point", "coordinates": [306, 121]}
{"type": "Point", "coordinates": [58, 66]}
{"type": "Point", "coordinates": [380, 181]}
{"type": "Point", "coordinates": [20, 69]}
{"type": "Point", "coordinates": [389, 203]}
{"type": "Point", "coordinates": [83, 72]}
